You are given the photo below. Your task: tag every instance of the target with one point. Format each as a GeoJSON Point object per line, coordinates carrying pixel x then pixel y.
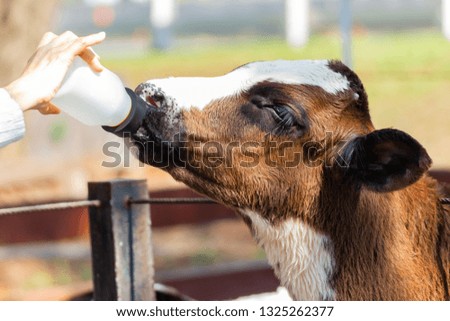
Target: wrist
{"type": "Point", "coordinates": [23, 94]}
{"type": "Point", "coordinates": [16, 93]}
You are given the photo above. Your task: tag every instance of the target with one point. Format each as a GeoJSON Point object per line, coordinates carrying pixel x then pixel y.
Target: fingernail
{"type": "Point", "coordinates": [99, 66]}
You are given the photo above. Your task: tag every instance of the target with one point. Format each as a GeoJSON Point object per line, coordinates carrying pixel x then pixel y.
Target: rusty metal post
{"type": "Point", "coordinates": [122, 258]}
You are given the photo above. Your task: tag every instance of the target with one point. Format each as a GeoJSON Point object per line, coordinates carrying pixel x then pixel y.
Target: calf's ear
{"type": "Point", "coordinates": [386, 160]}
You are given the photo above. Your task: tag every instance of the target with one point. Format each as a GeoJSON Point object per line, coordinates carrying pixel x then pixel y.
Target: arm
{"type": "Point", "coordinates": [47, 67]}
{"type": "Point", "coordinates": [41, 79]}
{"type": "Point", "coordinates": [12, 126]}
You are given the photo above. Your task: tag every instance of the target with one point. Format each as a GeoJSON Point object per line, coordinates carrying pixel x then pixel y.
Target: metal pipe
{"type": "Point", "coordinates": [346, 31]}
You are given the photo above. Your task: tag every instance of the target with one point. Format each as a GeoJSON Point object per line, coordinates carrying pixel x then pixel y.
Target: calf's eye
{"type": "Point", "coordinates": [283, 115]}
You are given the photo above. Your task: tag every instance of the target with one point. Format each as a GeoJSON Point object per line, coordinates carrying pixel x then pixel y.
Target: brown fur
{"type": "Point", "coordinates": [387, 245]}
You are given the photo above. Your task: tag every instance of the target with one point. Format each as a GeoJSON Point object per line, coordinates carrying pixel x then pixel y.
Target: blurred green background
{"type": "Point", "coordinates": [406, 74]}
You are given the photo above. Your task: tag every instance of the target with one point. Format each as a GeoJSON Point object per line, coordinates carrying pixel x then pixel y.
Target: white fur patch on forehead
{"type": "Point", "coordinates": [302, 72]}
{"type": "Point", "coordinates": [200, 91]}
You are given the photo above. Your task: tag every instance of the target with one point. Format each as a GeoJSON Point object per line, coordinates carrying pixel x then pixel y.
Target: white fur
{"type": "Point", "coordinates": [298, 255]}
{"type": "Point", "coordinates": [200, 91]}
{"type": "Point", "coordinates": [281, 294]}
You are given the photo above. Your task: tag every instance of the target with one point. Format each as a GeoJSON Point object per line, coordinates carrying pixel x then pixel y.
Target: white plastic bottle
{"type": "Point", "coordinates": [93, 98]}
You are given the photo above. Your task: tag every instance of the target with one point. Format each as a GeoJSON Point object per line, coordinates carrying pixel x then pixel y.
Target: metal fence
{"type": "Point", "coordinates": [120, 234]}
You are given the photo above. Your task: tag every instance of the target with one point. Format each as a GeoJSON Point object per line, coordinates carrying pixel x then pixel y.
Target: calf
{"type": "Point", "coordinates": [343, 211]}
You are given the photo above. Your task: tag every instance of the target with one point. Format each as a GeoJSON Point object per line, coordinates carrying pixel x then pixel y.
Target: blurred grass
{"type": "Point", "coordinates": [406, 75]}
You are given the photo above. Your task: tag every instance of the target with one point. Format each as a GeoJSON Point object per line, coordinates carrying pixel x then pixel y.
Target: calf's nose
{"type": "Point", "coordinates": [153, 95]}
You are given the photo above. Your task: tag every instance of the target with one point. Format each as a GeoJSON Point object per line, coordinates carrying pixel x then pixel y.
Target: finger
{"type": "Point", "coordinates": [71, 45]}
{"type": "Point", "coordinates": [46, 38]}
{"type": "Point", "coordinates": [67, 36]}
{"type": "Point", "coordinates": [65, 39]}
{"type": "Point", "coordinates": [88, 55]}
{"type": "Point", "coordinates": [92, 59]}
{"type": "Point", "coordinates": [49, 109]}
{"type": "Point", "coordinates": [80, 46]}
{"type": "Point", "coordinates": [94, 39]}
{"type": "Point", "coordinates": [51, 43]}
{"type": "Point", "coordinates": [81, 43]}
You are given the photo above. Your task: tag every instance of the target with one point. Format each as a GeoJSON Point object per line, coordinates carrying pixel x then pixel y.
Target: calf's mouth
{"type": "Point", "coordinates": [161, 138]}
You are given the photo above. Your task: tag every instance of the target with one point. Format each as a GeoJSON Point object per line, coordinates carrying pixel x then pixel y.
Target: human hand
{"type": "Point", "coordinates": [47, 67]}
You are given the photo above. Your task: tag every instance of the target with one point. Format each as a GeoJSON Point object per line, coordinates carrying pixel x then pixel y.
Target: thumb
{"type": "Point", "coordinates": [48, 109]}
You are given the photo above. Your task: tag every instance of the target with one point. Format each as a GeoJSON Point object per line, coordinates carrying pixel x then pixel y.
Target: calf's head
{"type": "Point", "coordinates": [263, 136]}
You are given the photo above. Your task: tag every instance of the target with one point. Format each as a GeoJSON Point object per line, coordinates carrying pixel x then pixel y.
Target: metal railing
{"type": "Point", "coordinates": [48, 207]}
{"type": "Point", "coordinates": [120, 235]}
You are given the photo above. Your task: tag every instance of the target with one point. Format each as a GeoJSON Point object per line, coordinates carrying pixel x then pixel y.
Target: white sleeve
{"type": "Point", "coordinates": [12, 125]}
